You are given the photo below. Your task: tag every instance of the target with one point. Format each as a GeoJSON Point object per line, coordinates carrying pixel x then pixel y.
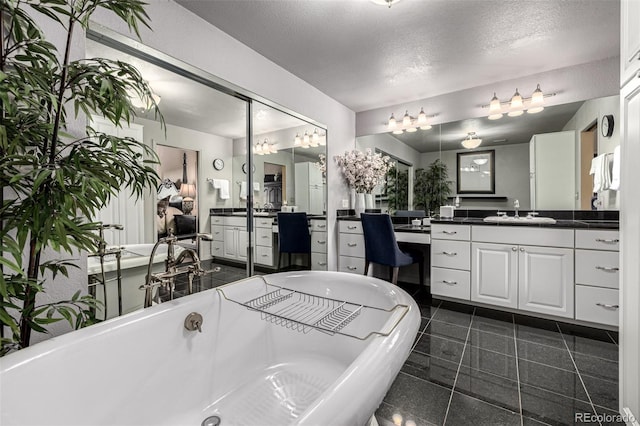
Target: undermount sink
{"type": "Point", "coordinates": [511, 219]}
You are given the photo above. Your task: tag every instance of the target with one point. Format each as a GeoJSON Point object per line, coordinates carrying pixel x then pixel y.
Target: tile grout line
{"type": "Point", "coordinates": [455, 381]}
{"type": "Point", "coordinates": [578, 372]}
{"type": "Point", "coordinates": [425, 327]}
{"type": "Point", "coordinates": [611, 337]}
{"type": "Point", "coordinates": [515, 343]}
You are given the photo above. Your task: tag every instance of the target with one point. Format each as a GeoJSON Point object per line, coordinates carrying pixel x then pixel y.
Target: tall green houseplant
{"type": "Point", "coordinates": [432, 187]}
{"type": "Point", "coordinates": [54, 182]}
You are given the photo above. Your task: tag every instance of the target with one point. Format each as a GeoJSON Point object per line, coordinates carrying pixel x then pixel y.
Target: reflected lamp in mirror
{"type": "Point", "coordinates": [476, 172]}
{"type": "Point", "coordinates": [310, 140]}
{"type": "Point", "coordinates": [409, 124]}
{"type": "Point", "coordinates": [188, 192]}
{"type": "Point", "coordinates": [517, 105]}
{"type": "Point", "coordinates": [472, 141]}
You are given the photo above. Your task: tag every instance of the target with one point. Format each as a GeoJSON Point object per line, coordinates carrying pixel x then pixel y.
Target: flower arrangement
{"type": "Point", "coordinates": [363, 171]}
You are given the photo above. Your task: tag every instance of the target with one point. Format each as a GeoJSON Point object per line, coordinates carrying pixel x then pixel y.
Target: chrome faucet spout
{"type": "Point", "coordinates": [516, 206]}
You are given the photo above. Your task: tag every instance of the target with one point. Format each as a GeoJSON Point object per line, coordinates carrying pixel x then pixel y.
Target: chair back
{"type": "Point", "coordinates": [380, 244]}
{"type": "Point", "coordinates": [293, 233]}
{"type": "Point", "coordinates": [410, 213]}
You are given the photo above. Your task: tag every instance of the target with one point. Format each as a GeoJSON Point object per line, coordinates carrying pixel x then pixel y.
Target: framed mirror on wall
{"type": "Point", "coordinates": [475, 172]}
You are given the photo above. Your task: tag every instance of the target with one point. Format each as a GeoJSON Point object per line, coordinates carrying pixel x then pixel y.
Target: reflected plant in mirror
{"type": "Point", "coordinates": [397, 189]}
{"type": "Point", "coordinates": [432, 187]}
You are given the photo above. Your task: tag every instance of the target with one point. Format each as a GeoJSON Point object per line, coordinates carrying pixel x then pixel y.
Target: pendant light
{"type": "Point", "coordinates": [392, 122]}
{"type": "Point", "coordinates": [517, 105]}
{"type": "Point", "coordinates": [471, 141]}
{"type": "Point", "coordinates": [495, 109]}
{"type": "Point", "coordinates": [537, 101]}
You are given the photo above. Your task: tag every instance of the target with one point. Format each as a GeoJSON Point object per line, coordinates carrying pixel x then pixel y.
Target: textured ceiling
{"type": "Point", "coordinates": [368, 56]}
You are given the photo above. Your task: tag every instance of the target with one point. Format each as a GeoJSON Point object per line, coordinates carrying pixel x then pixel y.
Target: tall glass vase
{"type": "Point", "coordinates": [352, 198]}
{"type": "Point", "coordinates": [359, 206]}
{"type": "Point", "coordinates": [368, 201]}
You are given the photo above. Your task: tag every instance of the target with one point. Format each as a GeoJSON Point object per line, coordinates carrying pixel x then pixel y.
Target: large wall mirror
{"type": "Point", "coordinates": [204, 153]}
{"type": "Point", "coordinates": [542, 160]}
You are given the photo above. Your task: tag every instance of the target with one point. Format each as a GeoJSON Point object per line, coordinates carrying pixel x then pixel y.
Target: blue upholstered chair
{"type": "Point", "coordinates": [293, 235]}
{"type": "Point", "coordinates": [381, 247]}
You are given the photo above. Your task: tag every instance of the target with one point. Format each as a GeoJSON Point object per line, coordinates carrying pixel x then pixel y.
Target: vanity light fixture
{"type": "Point", "coordinates": [471, 141]}
{"type": "Point", "coordinates": [409, 124]}
{"type": "Point", "coordinates": [265, 148]}
{"type": "Point", "coordinates": [296, 140]}
{"type": "Point", "coordinates": [310, 140]}
{"type": "Point", "coordinates": [517, 105]}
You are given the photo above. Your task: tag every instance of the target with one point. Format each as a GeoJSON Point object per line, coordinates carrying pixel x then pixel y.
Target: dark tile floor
{"type": "Point", "coordinates": [476, 366]}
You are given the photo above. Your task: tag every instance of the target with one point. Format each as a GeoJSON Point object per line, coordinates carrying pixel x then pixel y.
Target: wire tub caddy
{"type": "Point", "coordinates": [303, 312]}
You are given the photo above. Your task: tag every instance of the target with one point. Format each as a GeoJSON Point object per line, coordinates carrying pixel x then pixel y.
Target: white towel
{"type": "Point", "coordinates": [600, 169]}
{"type": "Point", "coordinates": [223, 186]}
{"type": "Point", "coordinates": [256, 186]}
{"type": "Point", "coordinates": [243, 190]}
{"type": "Point", "coordinates": [615, 172]}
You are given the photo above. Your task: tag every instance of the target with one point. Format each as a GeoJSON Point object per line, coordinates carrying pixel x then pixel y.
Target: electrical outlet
{"type": "Point", "coordinates": [345, 204]}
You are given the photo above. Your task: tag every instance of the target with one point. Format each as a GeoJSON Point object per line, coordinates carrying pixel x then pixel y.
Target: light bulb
{"type": "Point", "coordinates": [537, 101]}
{"type": "Point", "coordinates": [315, 136]}
{"type": "Point", "coordinates": [258, 149]}
{"type": "Point", "coordinates": [296, 141]}
{"type": "Point", "coordinates": [495, 108]}
{"type": "Point", "coordinates": [273, 149]}
{"type": "Point", "coordinates": [265, 147]}
{"type": "Point", "coordinates": [392, 122]}
{"type": "Point", "coordinates": [516, 105]}
{"type": "Point", "coordinates": [406, 120]}
{"type": "Point", "coordinates": [412, 129]}
{"type": "Point", "coordinates": [422, 117]}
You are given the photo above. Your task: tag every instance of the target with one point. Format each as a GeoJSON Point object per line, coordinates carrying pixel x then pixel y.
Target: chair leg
{"type": "Point", "coordinates": [394, 279]}
{"type": "Point", "coordinates": [366, 267]}
{"type": "Point", "coordinates": [279, 259]}
{"type": "Point", "coordinates": [289, 261]}
{"type": "Point", "coordinates": [421, 269]}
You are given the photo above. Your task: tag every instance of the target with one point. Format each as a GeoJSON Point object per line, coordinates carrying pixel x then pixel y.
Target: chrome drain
{"type": "Point", "coordinates": [211, 421]}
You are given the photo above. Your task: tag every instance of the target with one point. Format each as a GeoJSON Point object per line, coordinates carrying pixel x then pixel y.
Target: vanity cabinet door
{"type": "Point", "coordinates": [230, 243]}
{"type": "Point", "coordinates": [545, 277]}
{"type": "Point", "coordinates": [494, 277]}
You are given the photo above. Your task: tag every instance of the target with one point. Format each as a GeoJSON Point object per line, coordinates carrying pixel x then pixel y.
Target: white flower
{"type": "Point", "coordinates": [364, 171]}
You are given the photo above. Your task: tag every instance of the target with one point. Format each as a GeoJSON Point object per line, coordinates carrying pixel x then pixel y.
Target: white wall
{"type": "Point", "coordinates": [511, 169]}
{"type": "Point", "coordinates": [181, 34]}
{"type": "Point", "coordinates": [208, 147]}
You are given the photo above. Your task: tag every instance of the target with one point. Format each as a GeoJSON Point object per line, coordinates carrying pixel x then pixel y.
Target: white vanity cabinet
{"type": "Point", "coordinates": [235, 238]}
{"type": "Point", "coordinates": [264, 246]}
{"type": "Point", "coordinates": [350, 247]}
{"type": "Point", "coordinates": [509, 269]}
{"type": "Point", "coordinates": [217, 234]}
{"type": "Point", "coordinates": [597, 276]}
{"type": "Point", "coordinates": [450, 261]}
{"type": "Point", "coordinates": [318, 244]}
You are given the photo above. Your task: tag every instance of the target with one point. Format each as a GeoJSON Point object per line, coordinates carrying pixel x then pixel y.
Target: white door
{"type": "Point", "coordinates": [554, 163]}
{"type": "Point", "coordinates": [494, 277]}
{"type": "Point", "coordinates": [545, 277]}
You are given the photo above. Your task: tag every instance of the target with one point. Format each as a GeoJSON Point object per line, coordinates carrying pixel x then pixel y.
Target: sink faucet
{"type": "Point", "coordinates": [516, 206]}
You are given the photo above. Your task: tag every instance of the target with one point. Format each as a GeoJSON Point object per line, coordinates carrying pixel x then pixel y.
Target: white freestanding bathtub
{"type": "Point", "coordinates": [134, 262]}
{"type": "Point", "coordinates": [246, 367]}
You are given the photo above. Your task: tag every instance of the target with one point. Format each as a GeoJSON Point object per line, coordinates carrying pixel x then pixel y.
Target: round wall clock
{"type": "Point", "coordinates": [218, 164]}
{"type": "Point", "coordinates": [607, 125]}
{"type": "Point", "coordinates": [244, 168]}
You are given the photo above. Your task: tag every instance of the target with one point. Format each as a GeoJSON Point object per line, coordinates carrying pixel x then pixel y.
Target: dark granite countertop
{"type": "Point", "coordinates": [259, 215]}
{"type": "Point", "coordinates": [560, 223]}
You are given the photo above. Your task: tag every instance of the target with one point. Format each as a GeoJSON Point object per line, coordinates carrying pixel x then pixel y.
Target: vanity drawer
{"type": "Point", "coordinates": [217, 248]}
{"type": "Point", "coordinates": [264, 255]}
{"type": "Point", "coordinates": [598, 240]}
{"type": "Point", "coordinates": [318, 242]}
{"type": "Point", "coordinates": [318, 225]}
{"type": "Point", "coordinates": [350, 226]}
{"type": "Point", "coordinates": [217, 220]}
{"type": "Point", "coordinates": [351, 245]}
{"type": "Point", "coordinates": [318, 261]}
{"type": "Point", "coordinates": [450, 232]}
{"type": "Point", "coordinates": [235, 221]}
{"type": "Point", "coordinates": [451, 283]}
{"type": "Point", "coordinates": [524, 235]}
{"type": "Point", "coordinates": [264, 223]}
{"type": "Point", "coordinates": [451, 254]}
{"type": "Point", "coordinates": [355, 265]}
{"type": "Point", "coordinates": [599, 305]}
{"type": "Point", "coordinates": [264, 237]}
{"type": "Point", "coordinates": [598, 268]}
{"type": "Point", "coordinates": [217, 232]}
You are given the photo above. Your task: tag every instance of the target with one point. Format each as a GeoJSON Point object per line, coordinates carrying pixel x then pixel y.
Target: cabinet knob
{"type": "Point", "coordinates": [522, 249]}
{"type": "Point", "coordinates": [604, 305]}
{"type": "Point", "coordinates": [514, 248]}
{"type": "Point", "coordinates": [352, 227]}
